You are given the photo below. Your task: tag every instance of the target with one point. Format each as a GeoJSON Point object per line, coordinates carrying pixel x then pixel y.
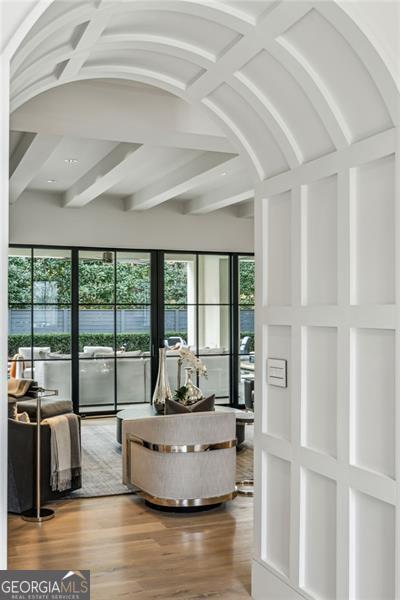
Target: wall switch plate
{"type": "Point", "coordinates": [277, 372]}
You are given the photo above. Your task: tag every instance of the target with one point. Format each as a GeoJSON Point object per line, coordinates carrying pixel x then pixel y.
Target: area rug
{"type": "Point", "coordinates": [102, 463]}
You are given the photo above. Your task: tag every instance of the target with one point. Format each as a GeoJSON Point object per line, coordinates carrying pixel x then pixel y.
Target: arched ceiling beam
{"type": "Point", "coordinates": [231, 125]}
{"type": "Point", "coordinates": [224, 14]}
{"type": "Point", "coordinates": [84, 44]}
{"type": "Point", "coordinates": [159, 79]}
{"type": "Point", "coordinates": [320, 84]}
{"type": "Point", "coordinates": [279, 17]}
{"type": "Point", "coordinates": [181, 180]}
{"type": "Point", "coordinates": [367, 54]}
{"type": "Point", "coordinates": [156, 43]}
{"type": "Point", "coordinates": [271, 116]}
{"type": "Point", "coordinates": [75, 16]}
{"type": "Point", "coordinates": [312, 91]}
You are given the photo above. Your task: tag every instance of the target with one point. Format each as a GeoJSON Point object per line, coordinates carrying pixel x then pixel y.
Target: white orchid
{"type": "Point", "coordinates": [186, 355]}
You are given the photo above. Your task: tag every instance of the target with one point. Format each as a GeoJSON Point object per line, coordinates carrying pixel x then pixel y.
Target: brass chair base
{"type": "Point", "coordinates": [186, 502]}
{"type": "Point", "coordinates": [245, 487]}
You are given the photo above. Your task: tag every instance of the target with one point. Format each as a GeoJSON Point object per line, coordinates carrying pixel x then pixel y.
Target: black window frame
{"type": "Point", "coordinates": [157, 312]}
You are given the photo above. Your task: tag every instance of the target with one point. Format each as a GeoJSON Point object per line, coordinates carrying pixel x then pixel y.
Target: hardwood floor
{"type": "Point", "coordinates": [135, 552]}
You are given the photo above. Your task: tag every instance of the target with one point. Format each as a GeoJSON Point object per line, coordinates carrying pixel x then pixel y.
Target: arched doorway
{"type": "Point", "coordinates": [316, 122]}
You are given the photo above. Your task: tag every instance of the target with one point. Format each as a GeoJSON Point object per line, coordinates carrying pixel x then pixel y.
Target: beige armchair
{"type": "Point", "coordinates": [186, 460]}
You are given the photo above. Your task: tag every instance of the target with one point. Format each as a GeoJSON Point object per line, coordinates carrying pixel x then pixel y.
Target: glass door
{"type": "Point", "coordinates": [114, 329]}
{"type": "Point", "coordinates": [197, 315]}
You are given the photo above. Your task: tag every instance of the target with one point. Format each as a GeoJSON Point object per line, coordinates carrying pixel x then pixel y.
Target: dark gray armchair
{"type": "Point", "coordinates": [22, 466]}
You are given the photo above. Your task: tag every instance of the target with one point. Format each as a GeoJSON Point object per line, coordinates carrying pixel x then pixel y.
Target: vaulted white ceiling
{"type": "Point", "coordinates": [245, 91]}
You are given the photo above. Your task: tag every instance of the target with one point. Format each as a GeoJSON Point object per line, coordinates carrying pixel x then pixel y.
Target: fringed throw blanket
{"type": "Point", "coordinates": [65, 451]}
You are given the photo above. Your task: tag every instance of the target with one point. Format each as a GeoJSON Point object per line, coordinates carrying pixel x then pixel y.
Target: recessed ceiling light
{"type": "Point", "coordinates": [223, 174]}
{"type": "Point", "coordinates": [51, 181]}
{"type": "Point", "coordinates": [71, 161]}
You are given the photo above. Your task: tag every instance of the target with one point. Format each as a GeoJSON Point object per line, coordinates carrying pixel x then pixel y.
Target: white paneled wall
{"type": "Point", "coordinates": [327, 500]}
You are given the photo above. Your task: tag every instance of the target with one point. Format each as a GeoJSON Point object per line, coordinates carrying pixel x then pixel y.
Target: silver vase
{"type": "Point", "coordinates": [193, 393]}
{"type": "Point", "coordinates": [162, 390]}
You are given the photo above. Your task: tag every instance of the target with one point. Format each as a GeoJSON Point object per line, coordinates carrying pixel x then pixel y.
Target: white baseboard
{"type": "Point", "coordinates": [267, 586]}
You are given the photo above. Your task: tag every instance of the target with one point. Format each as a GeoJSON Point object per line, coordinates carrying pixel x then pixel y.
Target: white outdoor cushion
{"type": "Point", "coordinates": [38, 352]}
{"type": "Point", "coordinates": [98, 349]}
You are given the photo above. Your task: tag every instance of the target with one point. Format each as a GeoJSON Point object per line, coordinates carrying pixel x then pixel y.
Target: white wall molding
{"type": "Point", "coordinates": [339, 489]}
{"type": "Point", "coordinates": [381, 144]}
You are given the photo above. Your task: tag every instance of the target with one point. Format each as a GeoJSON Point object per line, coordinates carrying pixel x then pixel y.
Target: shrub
{"type": "Point", "coordinates": [61, 342]}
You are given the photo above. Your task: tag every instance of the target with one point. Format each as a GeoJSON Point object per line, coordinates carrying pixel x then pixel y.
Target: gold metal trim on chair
{"type": "Point", "coordinates": [186, 502]}
{"type": "Point", "coordinates": [180, 448]}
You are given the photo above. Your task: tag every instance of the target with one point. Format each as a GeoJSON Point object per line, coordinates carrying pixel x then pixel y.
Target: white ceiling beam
{"type": "Point", "coordinates": [31, 153]}
{"type": "Point", "coordinates": [108, 172]}
{"type": "Point", "coordinates": [150, 122]}
{"type": "Point", "coordinates": [221, 198]}
{"type": "Point", "coordinates": [279, 17]}
{"type": "Point", "coordinates": [180, 181]}
{"type": "Point", "coordinates": [246, 210]}
{"type": "Point", "coordinates": [87, 37]}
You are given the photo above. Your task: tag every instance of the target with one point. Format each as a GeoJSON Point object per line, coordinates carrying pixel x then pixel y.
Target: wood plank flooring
{"type": "Point", "coordinates": [137, 553]}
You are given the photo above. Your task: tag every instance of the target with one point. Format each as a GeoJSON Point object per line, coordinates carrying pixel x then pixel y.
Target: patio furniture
{"type": "Point", "coordinates": [96, 374]}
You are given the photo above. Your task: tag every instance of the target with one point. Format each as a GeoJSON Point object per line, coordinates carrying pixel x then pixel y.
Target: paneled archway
{"type": "Point", "coordinates": [305, 98]}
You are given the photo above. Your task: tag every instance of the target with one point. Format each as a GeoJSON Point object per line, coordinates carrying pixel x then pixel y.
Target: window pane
{"type": "Point", "coordinates": [96, 329]}
{"type": "Point", "coordinates": [96, 382]}
{"type": "Point", "coordinates": [52, 276]}
{"type": "Point", "coordinates": [180, 279]}
{"type": "Point", "coordinates": [19, 331]}
{"type": "Point", "coordinates": [180, 325]}
{"type": "Point", "coordinates": [213, 279]}
{"type": "Point", "coordinates": [54, 375]}
{"type": "Point", "coordinates": [133, 278]}
{"type": "Point", "coordinates": [246, 280]}
{"type": "Point", "coordinates": [246, 329]}
{"type": "Point", "coordinates": [214, 329]}
{"type": "Point", "coordinates": [19, 276]}
{"type": "Point", "coordinates": [133, 380]}
{"type": "Point", "coordinates": [52, 329]}
{"type": "Point", "coordinates": [133, 329]}
{"type": "Point", "coordinates": [217, 381]}
{"type": "Point", "coordinates": [246, 377]}
{"type": "Point", "coordinates": [96, 277]}
{"type": "Point", "coordinates": [246, 354]}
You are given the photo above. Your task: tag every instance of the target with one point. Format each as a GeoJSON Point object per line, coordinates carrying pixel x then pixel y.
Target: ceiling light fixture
{"type": "Point", "coordinates": [51, 181]}
{"type": "Point", "coordinates": [71, 161]}
{"type": "Point", "coordinates": [223, 174]}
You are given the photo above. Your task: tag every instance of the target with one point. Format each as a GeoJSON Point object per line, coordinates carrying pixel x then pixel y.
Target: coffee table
{"type": "Point", "coordinates": [141, 411]}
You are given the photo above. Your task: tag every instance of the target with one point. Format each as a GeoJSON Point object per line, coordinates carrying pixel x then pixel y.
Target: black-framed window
{"type": "Point", "coordinates": [246, 309]}
{"type": "Point", "coordinates": [114, 299]}
{"type": "Point", "coordinates": [197, 310]}
{"type": "Point", "coordinates": [101, 314]}
{"type": "Point", "coordinates": [40, 306]}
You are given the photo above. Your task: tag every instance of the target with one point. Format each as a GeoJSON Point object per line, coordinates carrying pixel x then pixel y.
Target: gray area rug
{"type": "Point", "coordinates": [102, 462]}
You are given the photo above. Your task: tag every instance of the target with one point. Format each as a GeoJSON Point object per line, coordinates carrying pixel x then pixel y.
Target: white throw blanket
{"type": "Point", "coordinates": [65, 450]}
